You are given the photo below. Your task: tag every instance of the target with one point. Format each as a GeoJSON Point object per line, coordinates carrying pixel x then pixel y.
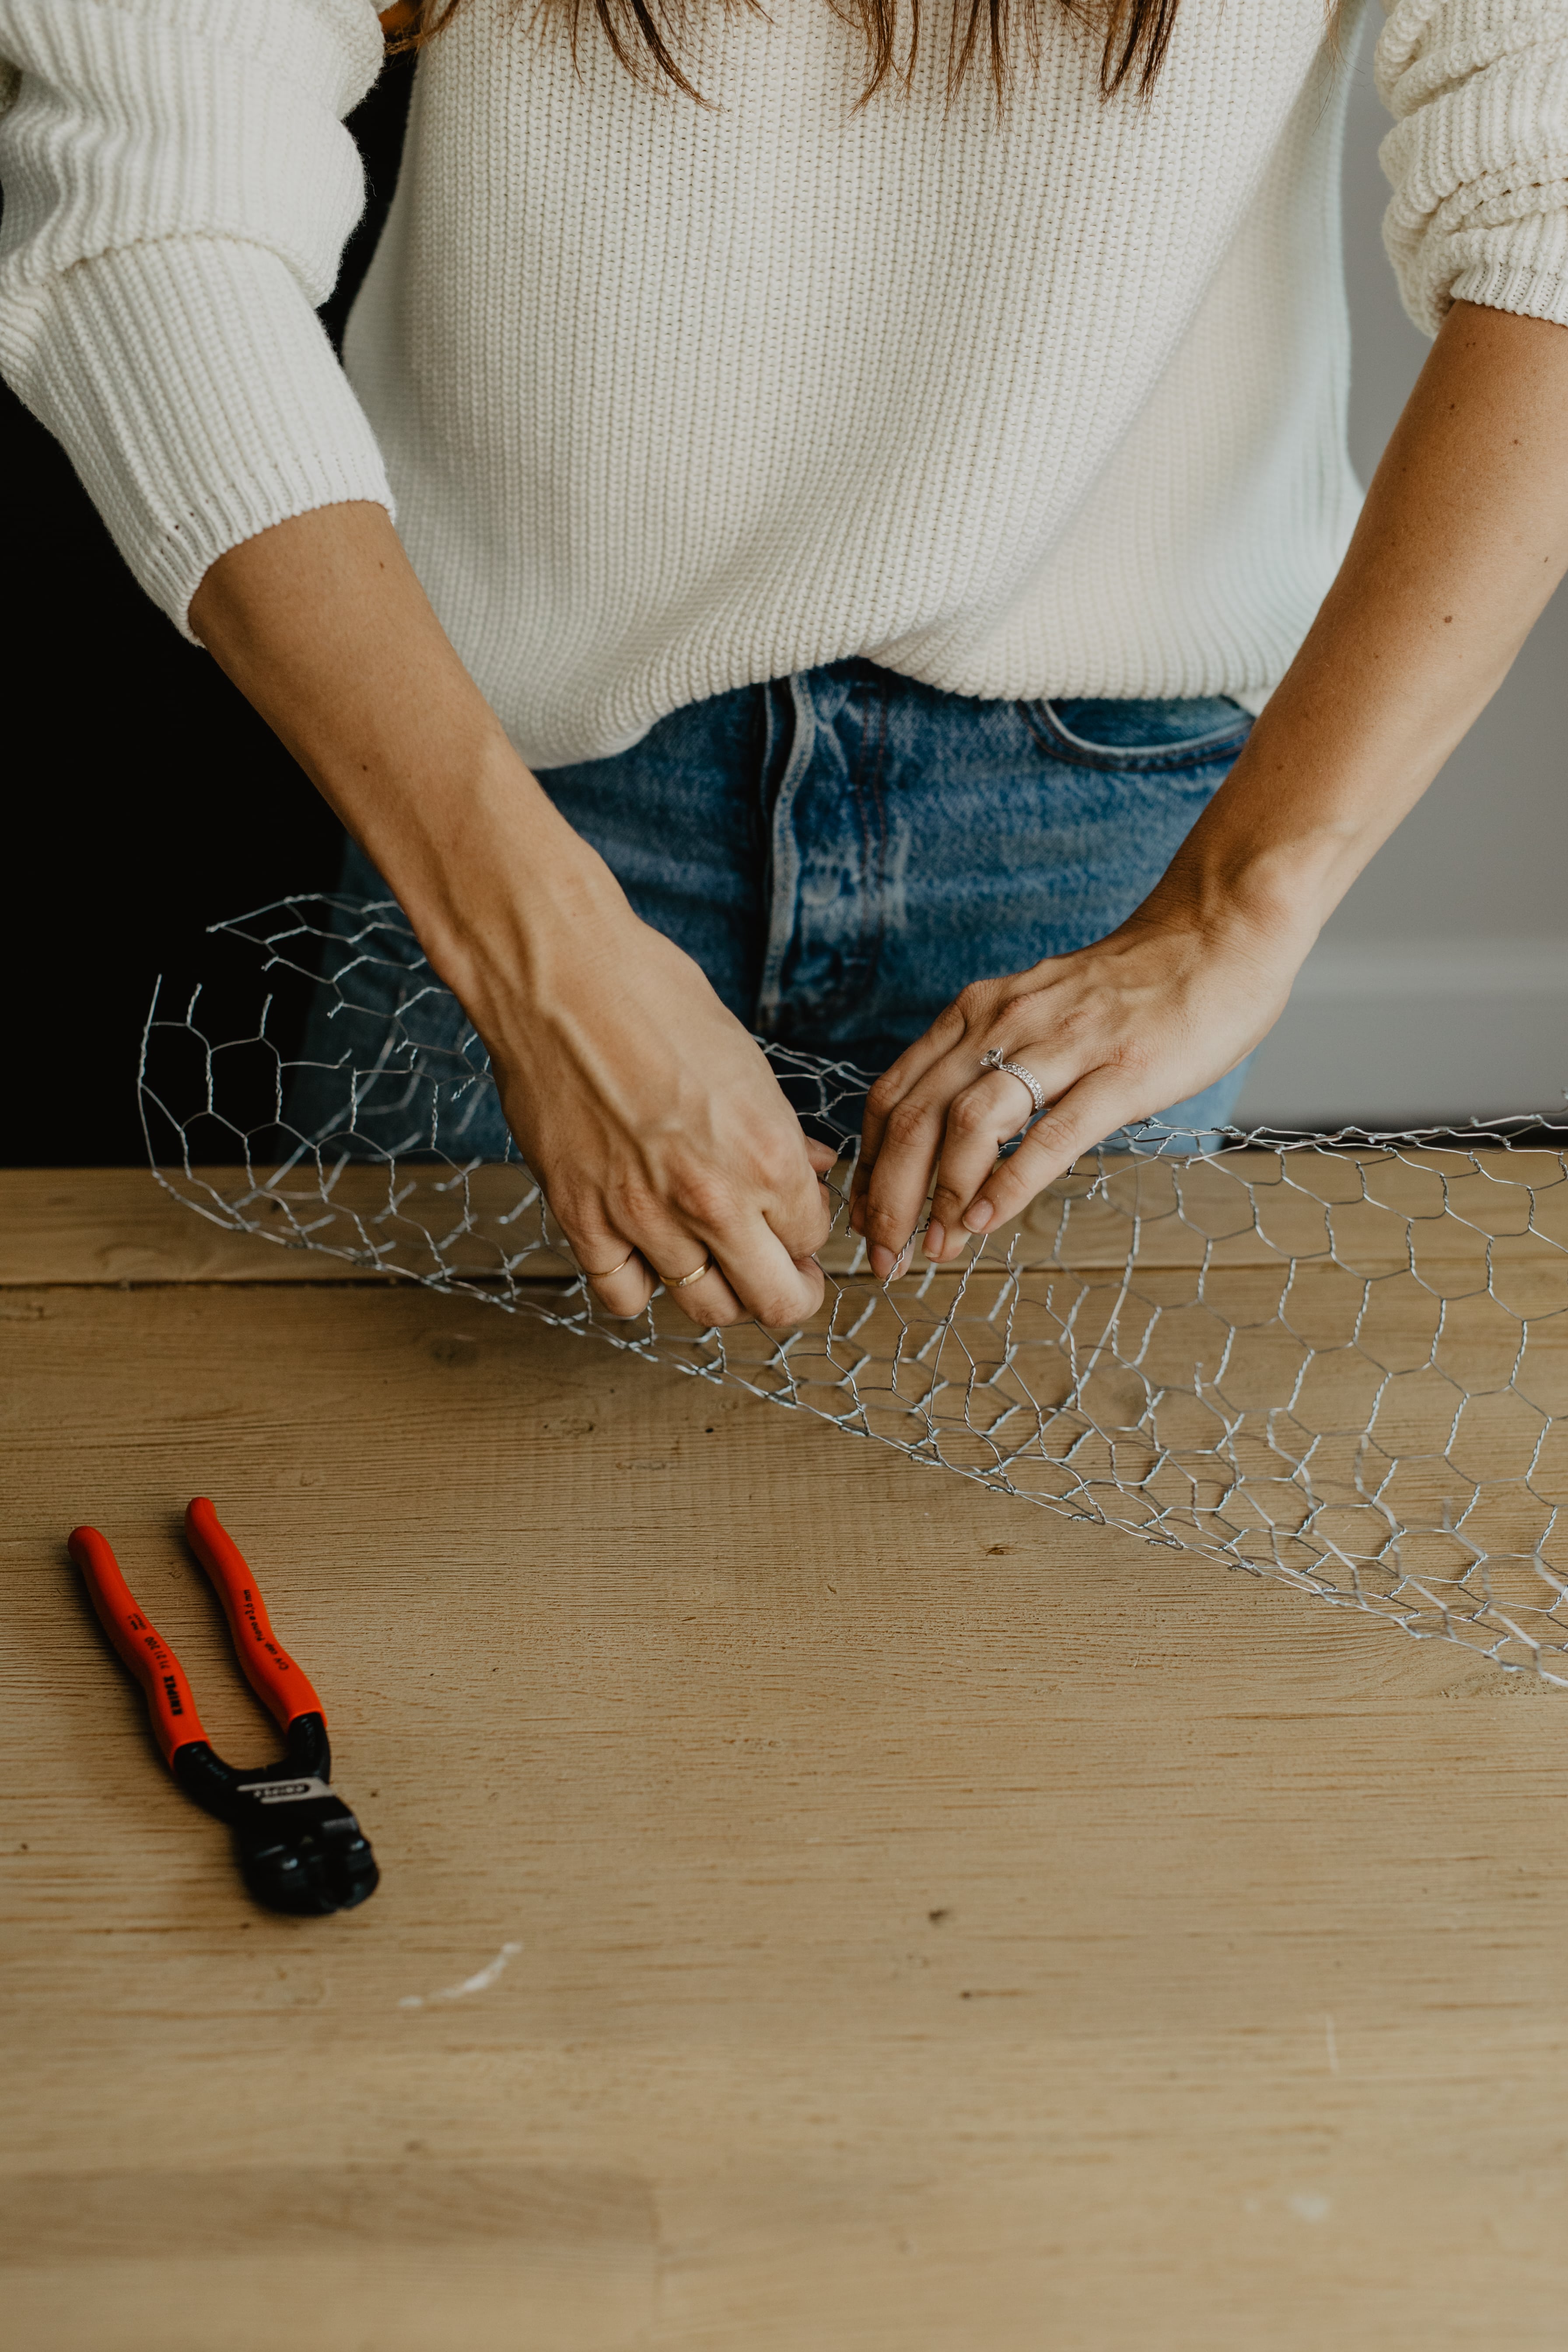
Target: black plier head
{"type": "Point", "coordinates": [300, 1847]}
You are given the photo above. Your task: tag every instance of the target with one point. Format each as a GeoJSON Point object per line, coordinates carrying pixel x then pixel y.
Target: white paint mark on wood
{"type": "Point", "coordinates": [480, 1982]}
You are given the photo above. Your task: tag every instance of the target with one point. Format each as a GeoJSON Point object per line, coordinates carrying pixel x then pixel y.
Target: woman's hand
{"type": "Point", "coordinates": [660, 1135]}
{"type": "Point", "coordinates": [1114, 1034]}
{"type": "Point", "coordinates": [654, 1123]}
{"type": "Point", "coordinates": [1463, 536]}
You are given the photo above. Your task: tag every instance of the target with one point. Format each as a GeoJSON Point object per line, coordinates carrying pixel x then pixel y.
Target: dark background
{"type": "Point", "coordinates": [146, 797]}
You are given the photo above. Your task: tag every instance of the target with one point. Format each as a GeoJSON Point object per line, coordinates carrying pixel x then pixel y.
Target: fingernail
{"type": "Point", "coordinates": [882, 1260]}
{"type": "Point", "coordinates": [936, 1239]}
{"type": "Point", "coordinates": [978, 1216]}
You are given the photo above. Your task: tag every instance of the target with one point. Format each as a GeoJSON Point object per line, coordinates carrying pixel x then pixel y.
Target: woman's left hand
{"type": "Point", "coordinates": [1114, 1034]}
{"type": "Point", "coordinates": [1463, 536]}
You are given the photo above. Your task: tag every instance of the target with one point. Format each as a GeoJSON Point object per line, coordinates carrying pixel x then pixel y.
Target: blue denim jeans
{"type": "Point", "coordinates": [842, 851]}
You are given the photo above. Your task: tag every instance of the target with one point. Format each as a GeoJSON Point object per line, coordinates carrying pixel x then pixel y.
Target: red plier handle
{"type": "Point", "coordinates": [282, 1687]}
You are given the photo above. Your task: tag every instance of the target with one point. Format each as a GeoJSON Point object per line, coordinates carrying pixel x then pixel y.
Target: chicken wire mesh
{"type": "Point", "coordinates": [1337, 1360]}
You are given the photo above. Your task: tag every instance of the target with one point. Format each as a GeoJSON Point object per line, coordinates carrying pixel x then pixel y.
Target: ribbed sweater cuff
{"type": "Point", "coordinates": [199, 399]}
{"type": "Point", "coordinates": [1528, 293]}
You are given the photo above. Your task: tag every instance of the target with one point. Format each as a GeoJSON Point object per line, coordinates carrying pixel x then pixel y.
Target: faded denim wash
{"type": "Point", "coordinates": [842, 851]}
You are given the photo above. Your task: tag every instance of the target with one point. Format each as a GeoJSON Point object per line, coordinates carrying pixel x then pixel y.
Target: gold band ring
{"type": "Point", "coordinates": [611, 1270]}
{"type": "Point", "coordinates": [695, 1276]}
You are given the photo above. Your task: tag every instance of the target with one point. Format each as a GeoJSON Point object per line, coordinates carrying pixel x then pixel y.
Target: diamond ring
{"type": "Point", "coordinates": [993, 1061]}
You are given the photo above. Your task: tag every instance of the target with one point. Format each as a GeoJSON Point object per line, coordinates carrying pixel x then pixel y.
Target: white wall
{"type": "Point", "coordinates": [1439, 989]}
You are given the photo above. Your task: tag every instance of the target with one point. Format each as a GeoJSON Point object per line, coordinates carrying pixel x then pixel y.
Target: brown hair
{"type": "Point", "coordinates": [649, 32]}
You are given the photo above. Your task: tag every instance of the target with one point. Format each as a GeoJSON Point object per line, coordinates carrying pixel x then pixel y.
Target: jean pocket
{"type": "Point", "coordinates": [1140, 738]}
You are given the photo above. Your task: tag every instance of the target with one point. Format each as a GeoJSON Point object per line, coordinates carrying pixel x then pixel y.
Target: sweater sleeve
{"type": "Point", "coordinates": [1478, 154]}
{"type": "Point", "coordinates": [179, 187]}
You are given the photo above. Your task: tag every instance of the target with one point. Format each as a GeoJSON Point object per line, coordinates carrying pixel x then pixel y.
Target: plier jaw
{"type": "Point", "coordinates": [300, 1849]}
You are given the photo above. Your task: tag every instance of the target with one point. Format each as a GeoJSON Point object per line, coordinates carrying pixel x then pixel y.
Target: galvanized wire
{"type": "Point", "coordinates": [1337, 1360]}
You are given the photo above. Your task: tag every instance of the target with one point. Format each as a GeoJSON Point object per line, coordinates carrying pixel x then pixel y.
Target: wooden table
{"type": "Point", "coordinates": [896, 1919]}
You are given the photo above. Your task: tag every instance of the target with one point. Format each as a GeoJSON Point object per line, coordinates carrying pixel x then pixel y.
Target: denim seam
{"type": "Point", "coordinates": [871, 811]}
{"type": "Point", "coordinates": [784, 865]}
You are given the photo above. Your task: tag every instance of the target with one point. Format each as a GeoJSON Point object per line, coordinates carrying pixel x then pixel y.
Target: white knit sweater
{"type": "Point", "coordinates": [676, 399]}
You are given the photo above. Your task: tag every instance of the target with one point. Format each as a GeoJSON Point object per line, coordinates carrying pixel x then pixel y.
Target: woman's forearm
{"type": "Point", "coordinates": [1462, 539]}
{"type": "Point", "coordinates": [662, 1140]}
{"type": "Point", "coordinates": [322, 625]}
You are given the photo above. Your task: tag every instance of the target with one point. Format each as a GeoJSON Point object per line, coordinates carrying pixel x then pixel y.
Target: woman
{"type": "Point", "coordinates": [857, 475]}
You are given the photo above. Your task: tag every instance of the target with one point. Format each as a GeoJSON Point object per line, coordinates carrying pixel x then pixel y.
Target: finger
{"type": "Point", "coordinates": [1088, 1112]}
{"type": "Point", "coordinates": [980, 1120]}
{"type": "Point", "coordinates": [896, 1190]}
{"type": "Point", "coordinates": [825, 1157]}
{"type": "Point", "coordinates": [754, 1276]}
{"type": "Point", "coordinates": [899, 1184]}
{"type": "Point", "coordinates": [626, 1292]}
{"type": "Point", "coordinates": [779, 1287]}
{"type": "Point", "coordinates": [710, 1302]}
{"type": "Point", "coordinates": [784, 1174]}
{"type": "Point", "coordinates": [800, 1217]}
{"type": "Point", "coordinates": [896, 1082]}
{"type": "Point", "coordinates": [618, 1276]}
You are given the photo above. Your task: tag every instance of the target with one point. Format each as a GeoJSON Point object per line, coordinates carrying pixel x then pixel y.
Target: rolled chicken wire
{"type": "Point", "coordinates": [1337, 1360]}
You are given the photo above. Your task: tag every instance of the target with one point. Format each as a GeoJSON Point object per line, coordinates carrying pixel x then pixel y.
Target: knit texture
{"type": "Point", "coordinates": [1478, 154]}
{"type": "Point", "coordinates": [677, 399]}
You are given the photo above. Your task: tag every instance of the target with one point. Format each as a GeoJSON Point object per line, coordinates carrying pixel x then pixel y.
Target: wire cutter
{"type": "Point", "coordinates": [300, 1849]}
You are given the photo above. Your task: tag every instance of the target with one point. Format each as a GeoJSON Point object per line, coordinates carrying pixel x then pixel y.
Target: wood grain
{"type": "Point", "coordinates": [1254, 1209]}
{"type": "Point", "coordinates": [939, 1924]}
{"type": "Point", "coordinates": [118, 1224]}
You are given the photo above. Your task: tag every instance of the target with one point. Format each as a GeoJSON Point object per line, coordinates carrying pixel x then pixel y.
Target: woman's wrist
{"type": "Point", "coordinates": [322, 622]}
{"type": "Point", "coordinates": [1261, 900]}
{"type": "Point", "coordinates": [505, 896]}
{"type": "Point", "coordinates": [1277, 847]}
{"type": "Point", "coordinates": [1463, 536]}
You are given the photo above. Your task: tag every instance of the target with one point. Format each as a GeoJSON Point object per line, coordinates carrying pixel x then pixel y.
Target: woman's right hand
{"type": "Point", "coordinates": [652, 1119]}
{"type": "Point", "coordinates": [648, 1115]}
